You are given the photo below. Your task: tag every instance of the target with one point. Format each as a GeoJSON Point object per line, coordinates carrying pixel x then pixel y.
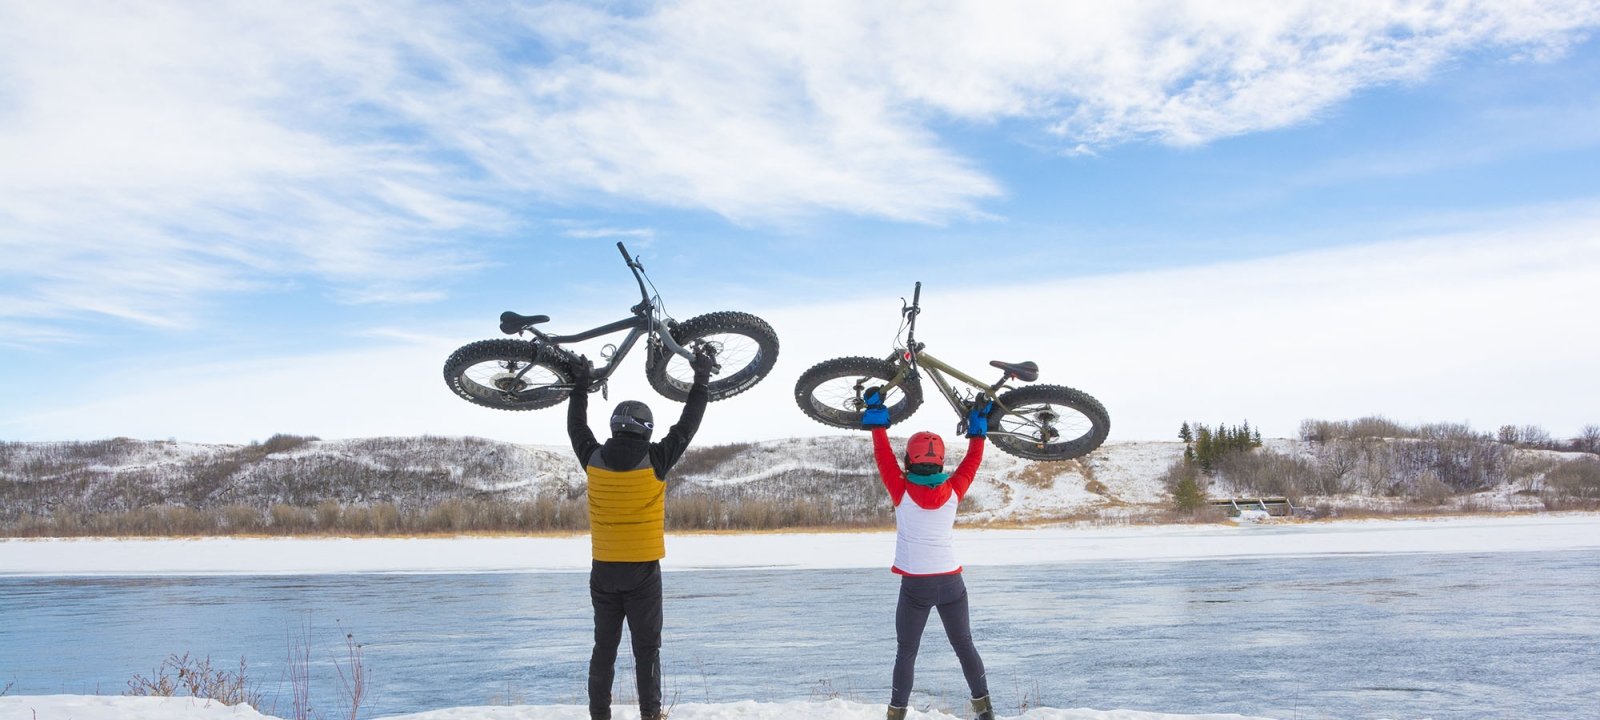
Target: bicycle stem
{"type": "Point", "coordinates": [635, 267]}
{"type": "Point", "coordinates": [645, 306]}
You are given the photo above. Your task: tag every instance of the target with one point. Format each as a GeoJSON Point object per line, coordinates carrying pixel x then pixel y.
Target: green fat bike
{"type": "Point", "coordinates": [1034, 422]}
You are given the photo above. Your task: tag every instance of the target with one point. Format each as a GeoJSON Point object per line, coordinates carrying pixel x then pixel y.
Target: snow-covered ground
{"type": "Point", "coordinates": [253, 556]}
{"type": "Point", "coordinates": [689, 552]}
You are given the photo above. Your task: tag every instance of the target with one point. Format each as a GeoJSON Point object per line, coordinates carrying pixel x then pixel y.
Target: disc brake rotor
{"type": "Point", "coordinates": [1045, 425]}
{"type": "Point", "coordinates": [507, 381]}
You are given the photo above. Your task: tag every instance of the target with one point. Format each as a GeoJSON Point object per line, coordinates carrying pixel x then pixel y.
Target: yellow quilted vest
{"type": "Point", "coordinates": [627, 514]}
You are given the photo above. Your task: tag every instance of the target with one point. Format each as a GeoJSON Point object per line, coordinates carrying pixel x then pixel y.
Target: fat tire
{"type": "Point", "coordinates": [1056, 395]}
{"type": "Point", "coordinates": [503, 351]}
{"type": "Point", "coordinates": [852, 368]}
{"type": "Point", "coordinates": [729, 381]}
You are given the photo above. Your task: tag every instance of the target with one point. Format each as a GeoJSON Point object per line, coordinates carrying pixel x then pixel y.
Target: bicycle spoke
{"type": "Point", "coordinates": [844, 394]}
{"type": "Point", "coordinates": [1045, 424]}
{"type": "Point", "coordinates": [509, 376]}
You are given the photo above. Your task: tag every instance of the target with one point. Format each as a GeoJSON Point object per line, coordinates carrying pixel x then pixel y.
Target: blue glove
{"type": "Point", "coordinates": [877, 415]}
{"type": "Point", "coordinates": [978, 418]}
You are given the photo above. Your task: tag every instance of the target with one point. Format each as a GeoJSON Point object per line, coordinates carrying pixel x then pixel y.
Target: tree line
{"type": "Point", "coordinates": [1428, 464]}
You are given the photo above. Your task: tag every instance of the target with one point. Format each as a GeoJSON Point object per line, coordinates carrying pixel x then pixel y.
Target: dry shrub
{"type": "Point", "coordinates": [1373, 427]}
{"type": "Point", "coordinates": [1264, 472]}
{"type": "Point", "coordinates": [704, 460]}
{"type": "Point", "coordinates": [198, 678]}
{"type": "Point", "coordinates": [282, 442]}
{"type": "Point", "coordinates": [1573, 485]}
{"type": "Point", "coordinates": [1041, 475]}
{"type": "Point", "coordinates": [290, 519]}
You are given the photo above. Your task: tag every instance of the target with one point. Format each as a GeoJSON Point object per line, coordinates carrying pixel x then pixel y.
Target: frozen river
{"type": "Point", "coordinates": [1513, 634]}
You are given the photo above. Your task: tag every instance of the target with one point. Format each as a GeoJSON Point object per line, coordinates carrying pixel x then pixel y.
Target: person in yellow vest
{"type": "Point", "coordinates": [627, 492]}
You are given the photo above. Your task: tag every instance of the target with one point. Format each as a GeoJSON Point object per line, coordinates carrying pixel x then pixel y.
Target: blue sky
{"type": "Point", "coordinates": [222, 221]}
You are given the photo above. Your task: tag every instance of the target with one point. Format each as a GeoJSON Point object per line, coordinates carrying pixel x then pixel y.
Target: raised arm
{"type": "Point", "coordinates": [583, 442]}
{"type": "Point", "coordinates": [961, 479]}
{"type": "Point", "coordinates": [894, 479]}
{"type": "Point", "coordinates": [665, 454]}
{"type": "Point", "coordinates": [876, 419]}
{"type": "Point", "coordinates": [977, 433]}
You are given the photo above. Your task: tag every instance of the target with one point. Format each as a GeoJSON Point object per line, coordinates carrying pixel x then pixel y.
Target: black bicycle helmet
{"type": "Point", "coordinates": [632, 418]}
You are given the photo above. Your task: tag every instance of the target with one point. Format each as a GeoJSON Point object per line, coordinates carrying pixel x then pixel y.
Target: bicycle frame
{"type": "Point", "coordinates": [643, 323]}
{"type": "Point", "coordinates": [911, 363]}
{"type": "Point", "coordinates": [911, 360]}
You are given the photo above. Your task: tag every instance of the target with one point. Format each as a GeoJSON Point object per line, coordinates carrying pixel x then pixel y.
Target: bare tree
{"type": "Point", "coordinates": [1588, 439]}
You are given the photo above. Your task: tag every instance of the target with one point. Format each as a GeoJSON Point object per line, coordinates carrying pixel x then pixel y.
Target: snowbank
{"type": "Point", "coordinates": [1049, 545]}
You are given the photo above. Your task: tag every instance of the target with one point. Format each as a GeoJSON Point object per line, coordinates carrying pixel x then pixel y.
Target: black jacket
{"type": "Point", "coordinates": [626, 453]}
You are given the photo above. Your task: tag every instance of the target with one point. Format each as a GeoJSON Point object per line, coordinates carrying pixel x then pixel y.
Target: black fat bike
{"type": "Point", "coordinates": [1034, 422]}
{"type": "Point", "coordinates": [514, 374]}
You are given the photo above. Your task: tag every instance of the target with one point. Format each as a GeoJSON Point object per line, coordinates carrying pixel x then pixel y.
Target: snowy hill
{"type": "Point", "coordinates": [792, 482]}
{"type": "Point", "coordinates": [122, 474]}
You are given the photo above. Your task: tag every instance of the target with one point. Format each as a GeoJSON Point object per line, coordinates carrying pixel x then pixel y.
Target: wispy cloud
{"type": "Point", "coordinates": [154, 155]}
{"type": "Point", "coordinates": [1487, 327]}
{"type": "Point", "coordinates": [639, 233]}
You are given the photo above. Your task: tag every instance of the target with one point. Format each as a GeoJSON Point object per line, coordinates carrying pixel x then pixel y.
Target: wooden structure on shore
{"type": "Point", "coordinates": [1272, 506]}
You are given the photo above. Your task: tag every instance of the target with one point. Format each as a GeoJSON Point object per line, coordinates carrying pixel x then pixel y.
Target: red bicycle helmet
{"type": "Point", "coordinates": [925, 448]}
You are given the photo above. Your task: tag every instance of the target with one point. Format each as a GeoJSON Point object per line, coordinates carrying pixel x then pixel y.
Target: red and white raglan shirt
{"type": "Point", "coordinates": [924, 517]}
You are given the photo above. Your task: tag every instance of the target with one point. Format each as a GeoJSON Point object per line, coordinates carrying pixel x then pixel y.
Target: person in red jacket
{"type": "Point", "coordinates": [925, 499]}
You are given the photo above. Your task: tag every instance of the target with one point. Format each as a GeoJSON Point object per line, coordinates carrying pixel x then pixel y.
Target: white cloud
{"type": "Point", "coordinates": [635, 233]}
{"type": "Point", "coordinates": [153, 155]}
{"type": "Point", "coordinates": [1487, 328]}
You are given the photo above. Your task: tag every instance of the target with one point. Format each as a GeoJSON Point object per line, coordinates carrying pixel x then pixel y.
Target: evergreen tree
{"type": "Point", "coordinates": [1185, 434]}
{"type": "Point", "coordinates": [1203, 450]}
{"type": "Point", "coordinates": [1187, 496]}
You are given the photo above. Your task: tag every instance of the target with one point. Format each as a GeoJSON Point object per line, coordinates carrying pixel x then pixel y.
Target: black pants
{"type": "Point", "coordinates": [918, 595]}
{"type": "Point", "coordinates": [631, 591]}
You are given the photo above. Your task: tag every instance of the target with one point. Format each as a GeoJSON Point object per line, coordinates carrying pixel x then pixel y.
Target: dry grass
{"type": "Point", "coordinates": [1040, 475]}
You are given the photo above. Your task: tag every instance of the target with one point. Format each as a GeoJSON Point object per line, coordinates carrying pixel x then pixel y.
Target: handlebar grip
{"type": "Point", "coordinates": [624, 251]}
{"type": "Point", "coordinates": [916, 295]}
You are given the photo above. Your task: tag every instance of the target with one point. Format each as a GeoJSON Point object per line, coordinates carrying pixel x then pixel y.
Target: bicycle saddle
{"type": "Point", "coordinates": [512, 323]}
{"type": "Point", "coordinates": [1024, 371]}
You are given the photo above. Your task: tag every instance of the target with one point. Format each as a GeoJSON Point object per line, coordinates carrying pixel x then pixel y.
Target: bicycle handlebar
{"type": "Point", "coordinates": [635, 267]}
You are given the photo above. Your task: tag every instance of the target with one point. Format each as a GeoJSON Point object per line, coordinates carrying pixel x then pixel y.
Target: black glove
{"type": "Point", "coordinates": [582, 373]}
{"type": "Point", "coordinates": [704, 363]}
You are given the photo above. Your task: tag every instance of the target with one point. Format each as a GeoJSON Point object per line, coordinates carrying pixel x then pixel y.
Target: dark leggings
{"type": "Point", "coordinates": [631, 591]}
{"type": "Point", "coordinates": [918, 595]}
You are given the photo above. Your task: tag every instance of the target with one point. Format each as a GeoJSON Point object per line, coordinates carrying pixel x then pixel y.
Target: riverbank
{"type": "Point", "coordinates": [801, 550]}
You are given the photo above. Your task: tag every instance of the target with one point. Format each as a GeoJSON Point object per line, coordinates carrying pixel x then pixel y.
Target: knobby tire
{"type": "Point", "coordinates": [1079, 423]}
{"type": "Point", "coordinates": [827, 392]}
{"type": "Point", "coordinates": [747, 348]}
{"type": "Point", "coordinates": [482, 373]}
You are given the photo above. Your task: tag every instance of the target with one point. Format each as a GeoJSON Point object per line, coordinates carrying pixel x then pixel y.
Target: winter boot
{"type": "Point", "coordinates": [896, 713]}
{"type": "Point", "coordinates": [982, 707]}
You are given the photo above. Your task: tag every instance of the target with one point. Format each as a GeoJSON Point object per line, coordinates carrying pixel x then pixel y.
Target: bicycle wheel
{"type": "Point", "coordinates": [1049, 422]}
{"type": "Point", "coordinates": [830, 392]}
{"type": "Point", "coordinates": [496, 373]}
{"type": "Point", "coordinates": [745, 345]}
